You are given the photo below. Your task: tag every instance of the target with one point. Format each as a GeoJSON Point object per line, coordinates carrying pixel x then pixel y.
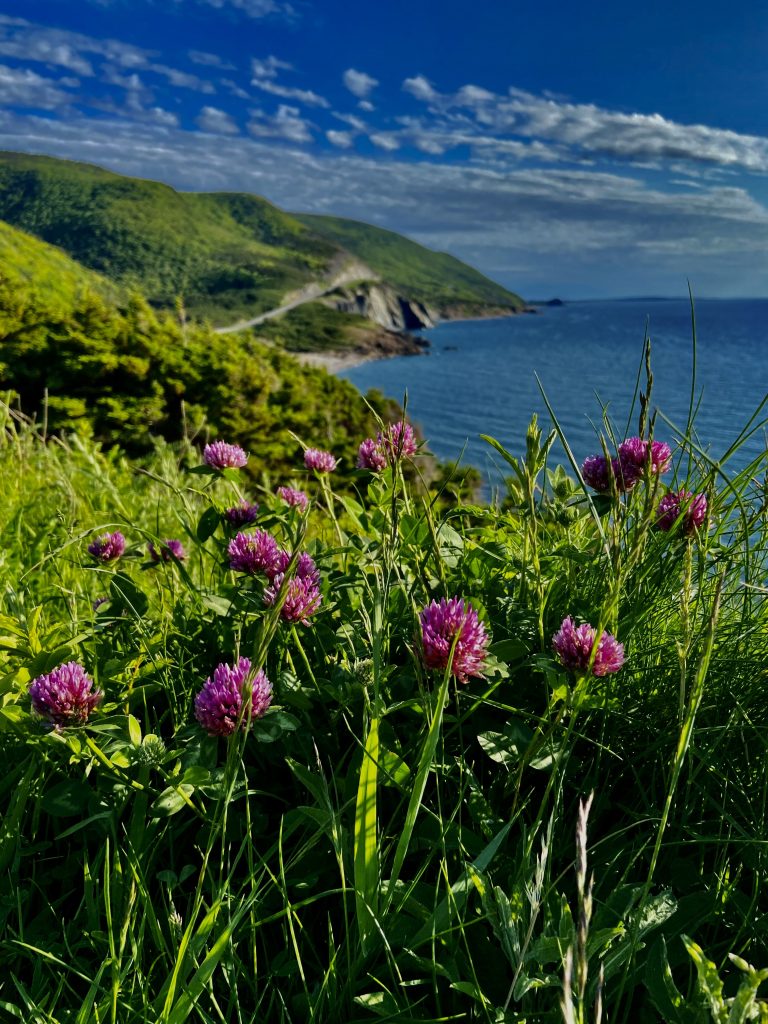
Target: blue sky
{"type": "Point", "coordinates": [564, 149]}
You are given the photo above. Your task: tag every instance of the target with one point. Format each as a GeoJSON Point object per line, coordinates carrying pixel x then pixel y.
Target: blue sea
{"type": "Point", "coordinates": [481, 376]}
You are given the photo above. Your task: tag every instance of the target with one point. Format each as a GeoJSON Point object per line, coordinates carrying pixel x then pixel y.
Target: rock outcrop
{"type": "Point", "coordinates": [382, 305]}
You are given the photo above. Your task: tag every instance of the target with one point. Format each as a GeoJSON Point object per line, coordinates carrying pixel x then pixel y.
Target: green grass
{"type": "Point", "coordinates": [435, 278]}
{"type": "Point", "coordinates": [385, 843]}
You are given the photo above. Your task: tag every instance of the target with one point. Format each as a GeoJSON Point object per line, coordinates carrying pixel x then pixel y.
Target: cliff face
{"type": "Point", "coordinates": [382, 305]}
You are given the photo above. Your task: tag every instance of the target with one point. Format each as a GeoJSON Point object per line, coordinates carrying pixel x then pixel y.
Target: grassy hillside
{"type": "Point", "coordinates": [227, 255]}
{"type": "Point", "coordinates": [129, 374]}
{"type": "Point", "coordinates": [47, 268]}
{"type": "Point", "coordinates": [431, 277]}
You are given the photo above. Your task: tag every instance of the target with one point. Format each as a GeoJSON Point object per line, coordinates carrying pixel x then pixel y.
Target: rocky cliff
{"type": "Point", "coordinates": [382, 305]}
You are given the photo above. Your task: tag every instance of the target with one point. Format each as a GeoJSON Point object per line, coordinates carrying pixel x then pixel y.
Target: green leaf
{"type": "Point", "coordinates": [66, 799]}
{"type": "Point", "coordinates": [171, 800]}
{"type": "Point", "coordinates": [207, 524]}
{"type": "Point", "coordinates": [134, 731]}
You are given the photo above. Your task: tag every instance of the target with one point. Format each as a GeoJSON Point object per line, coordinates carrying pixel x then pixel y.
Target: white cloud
{"type": "Point", "coordinates": [359, 83]}
{"type": "Point", "coordinates": [255, 8]}
{"type": "Point", "coordinates": [384, 140]}
{"type": "Point", "coordinates": [341, 139]}
{"type": "Point", "coordinates": [20, 87]}
{"type": "Point", "coordinates": [366, 105]}
{"type": "Point", "coordinates": [421, 88]}
{"type": "Point", "coordinates": [286, 124]}
{"type": "Point", "coordinates": [209, 60]}
{"type": "Point", "coordinates": [216, 121]}
{"type": "Point", "coordinates": [265, 71]}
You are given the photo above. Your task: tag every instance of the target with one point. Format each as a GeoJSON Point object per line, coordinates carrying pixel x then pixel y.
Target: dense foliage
{"type": "Point", "coordinates": [385, 842]}
{"type": "Point", "coordinates": [126, 375]}
{"type": "Point", "coordinates": [435, 278]}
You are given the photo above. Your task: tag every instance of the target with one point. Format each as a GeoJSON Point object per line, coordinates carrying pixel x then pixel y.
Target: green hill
{"type": "Point", "coordinates": [226, 254]}
{"type": "Point", "coordinates": [434, 278]}
{"type": "Point", "coordinates": [47, 268]}
{"type": "Point", "coordinates": [230, 256]}
{"type": "Point", "coordinates": [125, 373]}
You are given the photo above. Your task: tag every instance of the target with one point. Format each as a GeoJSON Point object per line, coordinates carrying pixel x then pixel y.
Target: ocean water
{"type": "Point", "coordinates": [481, 376]}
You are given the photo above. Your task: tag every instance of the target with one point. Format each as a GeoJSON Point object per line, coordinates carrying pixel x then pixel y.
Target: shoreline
{"type": "Point", "coordinates": [338, 360]}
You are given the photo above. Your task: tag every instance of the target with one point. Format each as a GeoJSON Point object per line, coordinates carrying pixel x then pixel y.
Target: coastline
{"type": "Point", "coordinates": [338, 360]}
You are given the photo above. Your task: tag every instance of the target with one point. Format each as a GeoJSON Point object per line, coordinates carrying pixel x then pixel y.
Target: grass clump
{"type": "Point", "coordinates": [390, 835]}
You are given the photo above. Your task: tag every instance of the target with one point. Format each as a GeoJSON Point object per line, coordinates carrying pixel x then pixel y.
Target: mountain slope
{"type": "Point", "coordinates": [47, 268]}
{"type": "Point", "coordinates": [434, 278]}
{"type": "Point", "coordinates": [226, 254]}
{"type": "Point", "coordinates": [229, 256]}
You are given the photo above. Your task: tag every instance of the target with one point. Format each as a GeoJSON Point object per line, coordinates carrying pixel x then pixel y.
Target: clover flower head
{"type": "Point", "coordinates": [108, 547]}
{"type": "Point", "coordinates": [219, 703]}
{"type": "Point", "coordinates": [292, 497]}
{"type": "Point", "coordinates": [254, 553]}
{"type": "Point", "coordinates": [692, 508]}
{"type": "Point", "coordinates": [399, 440]}
{"type": "Point", "coordinates": [596, 471]}
{"type": "Point", "coordinates": [169, 549]}
{"type": "Point", "coordinates": [64, 696]}
{"type": "Point", "coordinates": [302, 599]}
{"type": "Point", "coordinates": [371, 455]}
{"type": "Point", "coordinates": [573, 645]}
{"type": "Point", "coordinates": [441, 622]}
{"type": "Point", "coordinates": [317, 459]}
{"type": "Point", "coordinates": [635, 454]}
{"type": "Point", "coordinates": [242, 514]}
{"type": "Point", "coordinates": [221, 455]}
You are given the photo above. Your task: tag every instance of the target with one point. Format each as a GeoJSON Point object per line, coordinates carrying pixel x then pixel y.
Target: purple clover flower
{"type": "Point", "coordinates": [294, 498]}
{"type": "Point", "coordinates": [692, 508]}
{"type": "Point", "coordinates": [64, 696]}
{"type": "Point", "coordinates": [254, 553]}
{"type": "Point", "coordinates": [573, 646]}
{"type": "Point", "coordinates": [219, 703]}
{"type": "Point", "coordinates": [169, 549]}
{"type": "Point", "coordinates": [399, 440]}
{"type": "Point", "coordinates": [596, 471]}
{"type": "Point", "coordinates": [221, 455]}
{"type": "Point", "coordinates": [371, 455]}
{"type": "Point", "coordinates": [635, 454]}
{"type": "Point", "coordinates": [441, 622]}
{"type": "Point", "coordinates": [108, 547]}
{"type": "Point", "coordinates": [242, 514]}
{"type": "Point", "coordinates": [303, 597]}
{"type": "Point", "coordinates": [322, 462]}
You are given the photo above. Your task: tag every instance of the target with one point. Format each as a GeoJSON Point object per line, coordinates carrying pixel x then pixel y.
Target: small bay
{"type": "Point", "coordinates": [480, 376]}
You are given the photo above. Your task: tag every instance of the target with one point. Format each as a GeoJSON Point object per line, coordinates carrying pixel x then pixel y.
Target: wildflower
{"type": "Point", "coordinates": [302, 599]}
{"type": "Point", "coordinates": [596, 471]}
{"type": "Point", "coordinates": [692, 508]}
{"type": "Point", "coordinates": [323, 462]}
{"type": "Point", "coordinates": [305, 566]}
{"type": "Point", "coordinates": [169, 549]}
{"type": "Point", "coordinates": [573, 645]}
{"type": "Point", "coordinates": [108, 547]}
{"type": "Point", "coordinates": [99, 602]}
{"type": "Point", "coordinates": [254, 553]}
{"type": "Point", "coordinates": [399, 440]}
{"type": "Point", "coordinates": [242, 514]}
{"type": "Point", "coordinates": [219, 703]}
{"type": "Point", "coordinates": [64, 696]}
{"type": "Point", "coordinates": [297, 499]}
{"type": "Point", "coordinates": [371, 455]}
{"type": "Point", "coordinates": [635, 454]}
{"type": "Point", "coordinates": [440, 624]}
{"type": "Point", "coordinates": [221, 455]}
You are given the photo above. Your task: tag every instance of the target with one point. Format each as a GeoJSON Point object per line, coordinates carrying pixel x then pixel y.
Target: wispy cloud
{"type": "Point", "coordinates": [20, 87]}
{"type": "Point", "coordinates": [286, 124]}
{"type": "Point", "coordinates": [359, 83]}
{"type": "Point", "coordinates": [265, 71]}
{"type": "Point", "coordinates": [216, 121]}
